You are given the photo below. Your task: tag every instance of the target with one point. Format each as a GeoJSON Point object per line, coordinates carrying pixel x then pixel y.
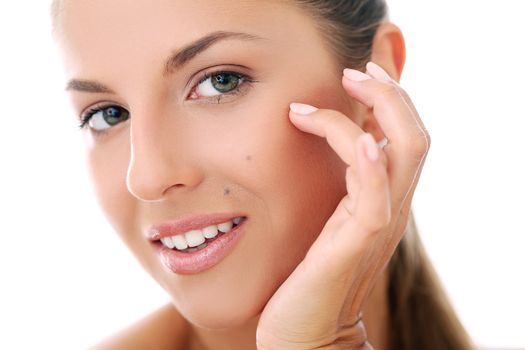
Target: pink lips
{"type": "Point", "coordinates": [203, 259]}
{"type": "Point", "coordinates": [187, 223]}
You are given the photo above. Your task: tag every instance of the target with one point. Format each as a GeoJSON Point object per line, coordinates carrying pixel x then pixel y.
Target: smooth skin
{"type": "Point", "coordinates": [363, 232]}
{"type": "Point", "coordinates": [323, 219]}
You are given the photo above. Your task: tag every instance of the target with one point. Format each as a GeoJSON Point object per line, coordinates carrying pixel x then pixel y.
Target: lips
{"type": "Point", "coordinates": [200, 255]}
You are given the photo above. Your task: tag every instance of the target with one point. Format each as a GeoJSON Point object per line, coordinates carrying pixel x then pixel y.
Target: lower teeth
{"type": "Point", "coordinates": [194, 249]}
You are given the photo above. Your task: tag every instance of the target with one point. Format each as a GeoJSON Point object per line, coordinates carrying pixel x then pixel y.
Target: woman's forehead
{"type": "Point", "coordinates": [111, 15]}
{"type": "Point", "coordinates": [102, 33]}
{"type": "Point", "coordinates": [145, 23]}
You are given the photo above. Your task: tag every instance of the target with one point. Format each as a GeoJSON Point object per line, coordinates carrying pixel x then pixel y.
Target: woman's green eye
{"type": "Point", "coordinates": [219, 83]}
{"type": "Point", "coordinates": [105, 117]}
{"type": "Point", "coordinates": [224, 82]}
{"type": "Point", "coordinates": [216, 84]}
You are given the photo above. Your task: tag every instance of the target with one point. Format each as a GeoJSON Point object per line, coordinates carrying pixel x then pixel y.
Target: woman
{"type": "Point", "coordinates": [242, 168]}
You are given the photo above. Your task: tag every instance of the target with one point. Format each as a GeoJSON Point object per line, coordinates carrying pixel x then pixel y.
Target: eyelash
{"type": "Point", "coordinates": [243, 78]}
{"type": "Point", "coordinates": [86, 117]}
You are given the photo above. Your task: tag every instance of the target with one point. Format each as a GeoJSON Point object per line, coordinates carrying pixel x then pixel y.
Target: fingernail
{"type": "Point", "coordinates": [301, 108]}
{"type": "Point", "coordinates": [355, 75]}
{"type": "Point", "coordinates": [371, 148]}
{"type": "Point", "coordinates": [377, 72]}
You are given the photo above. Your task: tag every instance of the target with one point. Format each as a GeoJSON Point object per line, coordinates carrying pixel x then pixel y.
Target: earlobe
{"type": "Point", "coordinates": [388, 49]}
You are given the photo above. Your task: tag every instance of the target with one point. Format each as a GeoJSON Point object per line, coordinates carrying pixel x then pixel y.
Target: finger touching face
{"type": "Point", "coordinates": [185, 111]}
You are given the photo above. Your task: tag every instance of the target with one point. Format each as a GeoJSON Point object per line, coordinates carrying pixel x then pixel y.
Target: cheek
{"type": "Point", "coordinates": [297, 177]}
{"type": "Point", "coordinates": [108, 165]}
{"type": "Point", "coordinates": [301, 177]}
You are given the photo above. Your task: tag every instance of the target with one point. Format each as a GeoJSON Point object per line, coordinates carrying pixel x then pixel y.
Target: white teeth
{"type": "Point", "coordinates": [180, 242]}
{"type": "Point", "coordinates": [210, 231]}
{"type": "Point", "coordinates": [167, 242]}
{"type": "Point", "coordinates": [225, 226]}
{"type": "Point", "coordinates": [194, 238]}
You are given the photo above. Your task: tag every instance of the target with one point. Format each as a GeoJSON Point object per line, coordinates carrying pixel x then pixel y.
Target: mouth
{"type": "Point", "coordinates": [199, 249]}
{"type": "Point", "coordinates": [197, 239]}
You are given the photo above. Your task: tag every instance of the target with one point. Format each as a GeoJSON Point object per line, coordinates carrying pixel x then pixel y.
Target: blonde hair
{"type": "Point", "coordinates": [421, 316]}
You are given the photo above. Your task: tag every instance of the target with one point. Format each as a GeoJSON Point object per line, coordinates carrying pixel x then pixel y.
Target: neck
{"type": "Point", "coordinates": [375, 317]}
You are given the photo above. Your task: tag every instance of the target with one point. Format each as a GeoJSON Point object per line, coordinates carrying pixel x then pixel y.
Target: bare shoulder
{"type": "Point", "coordinates": [164, 328]}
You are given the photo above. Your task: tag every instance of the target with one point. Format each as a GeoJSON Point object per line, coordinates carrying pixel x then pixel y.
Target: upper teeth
{"type": "Point", "coordinates": [195, 238]}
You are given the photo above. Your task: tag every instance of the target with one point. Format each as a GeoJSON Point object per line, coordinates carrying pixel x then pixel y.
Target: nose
{"type": "Point", "coordinates": [159, 163]}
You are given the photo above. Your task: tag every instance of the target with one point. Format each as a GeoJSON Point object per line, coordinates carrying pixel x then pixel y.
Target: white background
{"type": "Point", "coordinates": [67, 281]}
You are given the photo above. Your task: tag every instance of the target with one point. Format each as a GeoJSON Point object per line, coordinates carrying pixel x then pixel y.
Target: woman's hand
{"type": "Point", "coordinates": [319, 305]}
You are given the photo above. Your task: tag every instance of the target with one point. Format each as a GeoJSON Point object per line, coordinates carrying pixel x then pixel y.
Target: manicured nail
{"type": "Point", "coordinates": [355, 75]}
{"type": "Point", "coordinates": [377, 72]}
{"type": "Point", "coordinates": [301, 108]}
{"type": "Point", "coordinates": [371, 148]}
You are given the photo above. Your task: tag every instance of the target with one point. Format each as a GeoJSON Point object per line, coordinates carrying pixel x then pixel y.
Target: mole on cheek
{"type": "Point", "coordinates": [248, 157]}
{"type": "Point", "coordinates": [226, 191]}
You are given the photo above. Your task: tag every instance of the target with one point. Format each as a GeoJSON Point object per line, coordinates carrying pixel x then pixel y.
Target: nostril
{"type": "Point", "coordinates": [176, 186]}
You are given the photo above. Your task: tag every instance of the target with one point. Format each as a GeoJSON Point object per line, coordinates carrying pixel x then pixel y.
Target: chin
{"type": "Point", "coordinates": [215, 316]}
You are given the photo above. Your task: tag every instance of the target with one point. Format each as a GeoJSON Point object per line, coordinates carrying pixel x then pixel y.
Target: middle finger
{"type": "Point", "coordinates": [408, 139]}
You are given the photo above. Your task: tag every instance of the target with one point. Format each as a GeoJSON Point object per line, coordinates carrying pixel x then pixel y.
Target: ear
{"type": "Point", "coordinates": [388, 51]}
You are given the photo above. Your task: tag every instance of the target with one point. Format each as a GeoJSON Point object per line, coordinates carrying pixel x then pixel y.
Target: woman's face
{"type": "Point", "coordinates": [204, 148]}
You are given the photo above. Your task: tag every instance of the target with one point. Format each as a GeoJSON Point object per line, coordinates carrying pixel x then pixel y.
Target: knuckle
{"type": "Point", "coordinates": [418, 144]}
{"type": "Point", "coordinates": [374, 225]}
{"type": "Point", "coordinates": [376, 221]}
{"type": "Point", "coordinates": [422, 145]}
{"type": "Point", "coordinates": [429, 140]}
{"type": "Point", "coordinates": [333, 116]}
{"type": "Point", "coordinates": [386, 92]}
{"type": "Point", "coordinates": [383, 221]}
{"type": "Point", "coordinates": [377, 182]}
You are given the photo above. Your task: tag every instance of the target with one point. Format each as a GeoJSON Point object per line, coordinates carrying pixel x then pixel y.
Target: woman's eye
{"type": "Point", "coordinates": [218, 84]}
{"type": "Point", "coordinates": [102, 118]}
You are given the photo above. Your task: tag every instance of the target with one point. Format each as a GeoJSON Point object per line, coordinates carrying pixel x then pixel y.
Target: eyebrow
{"type": "Point", "coordinates": [176, 60]}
